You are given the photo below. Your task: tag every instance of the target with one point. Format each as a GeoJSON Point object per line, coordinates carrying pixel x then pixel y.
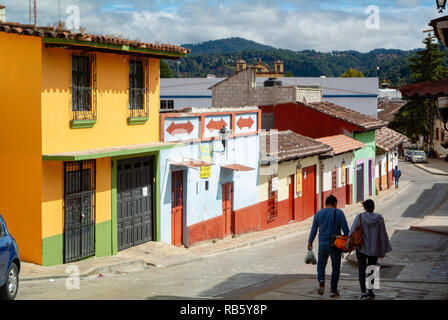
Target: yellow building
{"type": "Point", "coordinates": [262, 70]}
{"type": "Point", "coordinates": [80, 142]}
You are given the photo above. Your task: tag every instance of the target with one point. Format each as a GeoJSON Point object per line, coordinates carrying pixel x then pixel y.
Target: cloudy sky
{"type": "Point", "coordinates": [322, 25]}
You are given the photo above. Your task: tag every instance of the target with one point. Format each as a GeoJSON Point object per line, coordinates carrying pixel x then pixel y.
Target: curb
{"type": "Point", "coordinates": [423, 229]}
{"type": "Point", "coordinates": [429, 171]}
{"type": "Point", "coordinates": [132, 265]}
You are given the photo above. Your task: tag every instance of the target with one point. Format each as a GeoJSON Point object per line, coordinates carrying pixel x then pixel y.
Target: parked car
{"type": "Point", "coordinates": [9, 264]}
{"type": "Point", "coordinates": [409, 154]}
{"type": "Point", "coordinates": [418, 156]}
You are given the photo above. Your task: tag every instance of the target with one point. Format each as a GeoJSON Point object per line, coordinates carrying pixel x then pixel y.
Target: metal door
{"type": "Point", "coordinates": [360, 182]}
{"type": "Point", "coordinates": [227, 208]}
{"type": "Point", "coordinates": [135, 205]}
{"type": "Point", "coordinates": [177, 207]}
{"type": "Point", "coordinates": [79, 207]}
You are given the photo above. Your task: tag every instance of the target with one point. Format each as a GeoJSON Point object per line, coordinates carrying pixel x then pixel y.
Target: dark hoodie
{"type": "Point", "coordinates": [374, 235]}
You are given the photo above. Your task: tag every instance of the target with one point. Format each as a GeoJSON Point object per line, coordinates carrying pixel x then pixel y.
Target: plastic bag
{"type": "Point", "coordinates": [310, 259]}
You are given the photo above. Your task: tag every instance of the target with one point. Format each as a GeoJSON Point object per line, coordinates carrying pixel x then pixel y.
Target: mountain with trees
{"type": "Point", "coordinates": [219, 57]}
{"type": "Point", "coordinates": [234, 44]}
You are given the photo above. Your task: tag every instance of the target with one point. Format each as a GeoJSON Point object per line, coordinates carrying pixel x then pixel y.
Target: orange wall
{"type": "Point", "coordinates": [53, 195]}
{"type": "Point", "coordinates": [20, 143]}
{"type": "Point", "coordinates": [111, 128]}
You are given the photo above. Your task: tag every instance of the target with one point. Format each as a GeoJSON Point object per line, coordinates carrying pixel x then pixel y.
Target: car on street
{"type": "Point", "coordinates": [408, 154]}
{"type": "Point", "coordinates": [9, 263]}
{"type": "Point", "coordinates": [418, 156]}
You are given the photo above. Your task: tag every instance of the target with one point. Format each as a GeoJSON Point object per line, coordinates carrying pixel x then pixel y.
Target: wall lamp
{"type": "Point", "coordinates": [441, 5]}
{"type": "Point", "coordinates": [224, 136]}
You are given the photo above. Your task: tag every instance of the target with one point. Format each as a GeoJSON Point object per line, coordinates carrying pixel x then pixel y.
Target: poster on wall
{"type": "Point", "coordinates": [206, 155]}
{"type": "Point", "coordinates": [299, 182]}
{"type": "Point", "coordinates": [343, 175]}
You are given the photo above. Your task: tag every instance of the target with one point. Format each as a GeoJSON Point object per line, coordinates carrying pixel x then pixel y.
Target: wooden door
{"type": "Point", "coordinates": [309, 191]}
{"type": "Point", "coordinates": [291, 197]}
{"type": "Point", "coordinates": [227, 208]}
{"type": "Point", "coordinates": [348, 195]}
{"type": "Point", "coordinates": [177, 207]}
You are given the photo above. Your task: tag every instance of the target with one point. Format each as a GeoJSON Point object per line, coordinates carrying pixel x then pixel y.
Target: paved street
{"type": "Point", "coordinates": [275, 269]}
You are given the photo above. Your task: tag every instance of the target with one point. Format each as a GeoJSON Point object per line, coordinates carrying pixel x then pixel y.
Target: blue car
{"type": "Point", "coordinates": [9, 264]}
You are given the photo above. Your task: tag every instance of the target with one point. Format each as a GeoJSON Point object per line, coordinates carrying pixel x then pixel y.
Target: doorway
{"type": "Point", "coordinates": [177, 207]}
{"type": "Point", "coordinates": [227, 207]}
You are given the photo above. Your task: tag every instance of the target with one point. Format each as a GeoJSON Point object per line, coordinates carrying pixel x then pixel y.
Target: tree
{"type": "Point", "coordinates": [352, 73]}
{"type": "Point", "coordinates": [289, 74]}
{"type": "Point", "coordinates": [165, 71]}
{"type": "Point", "coordinates": [416, 118]}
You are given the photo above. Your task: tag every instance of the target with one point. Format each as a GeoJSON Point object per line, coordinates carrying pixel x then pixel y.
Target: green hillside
{"type": "Point", "coordinates": [219, 58]}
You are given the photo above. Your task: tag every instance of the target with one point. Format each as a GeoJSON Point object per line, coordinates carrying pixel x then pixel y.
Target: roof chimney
{"type": "Point", "coordinates": [2, 13]}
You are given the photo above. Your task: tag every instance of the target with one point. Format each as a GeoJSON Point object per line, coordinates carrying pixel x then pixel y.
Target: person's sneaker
{"type": "Point", "coordinates": [321, 287]}
{"type": "Point", "coordinates": [334, 294]}
{"type": "Point", "coordinates": [363, 296]}
{"type": "Point", "coordinates": [370, 294]}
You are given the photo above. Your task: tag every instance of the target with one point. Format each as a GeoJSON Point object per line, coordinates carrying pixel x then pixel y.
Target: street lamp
{"type": "Point", "coordinates": [442, 104]}
{"type": "Point", "coordinates": [441, 5]}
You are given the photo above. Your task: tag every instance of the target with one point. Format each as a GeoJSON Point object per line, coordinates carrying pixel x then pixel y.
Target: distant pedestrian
{"type": "Point", "coordinates": [375, 243]}
{"type": "Point", "coordinates": [396, 173]}
{"type": "Point", "coordinates": [328, 221]}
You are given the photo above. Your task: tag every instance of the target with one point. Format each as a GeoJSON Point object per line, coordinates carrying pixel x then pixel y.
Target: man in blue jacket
{"type": "Point", "coordinates": [396, 174]}
{"type": "Point", "coordinates": [328, 221]}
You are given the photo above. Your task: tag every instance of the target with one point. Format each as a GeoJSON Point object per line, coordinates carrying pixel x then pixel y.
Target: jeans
{"type": "Point", "coordinates": [363, 261]}
{"type": "Point", "coordinates": [397, 182]}
{"type": "Point", "coordinates": [324, 251]}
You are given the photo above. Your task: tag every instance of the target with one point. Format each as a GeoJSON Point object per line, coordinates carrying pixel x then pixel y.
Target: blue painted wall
{"type": "Point", "coordinates": [199, 204]}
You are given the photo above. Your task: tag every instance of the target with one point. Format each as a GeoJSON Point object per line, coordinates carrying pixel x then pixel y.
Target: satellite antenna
{"type": "Point", "coordinates": [32, 9]}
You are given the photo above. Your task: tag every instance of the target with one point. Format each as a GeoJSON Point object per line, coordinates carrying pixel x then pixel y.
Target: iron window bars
{"type": "Point", "coordinates": [84, 87]}
{"type": "Point", "coordinates": [138, 88]}
{"type": "Point", "coordinates": [79, 209]}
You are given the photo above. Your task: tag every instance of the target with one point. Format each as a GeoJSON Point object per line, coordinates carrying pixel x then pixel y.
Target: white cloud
{"type": "Point", "coordinates": [306, 27]}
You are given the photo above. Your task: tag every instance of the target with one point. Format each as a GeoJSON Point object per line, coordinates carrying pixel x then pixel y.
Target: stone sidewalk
{"type": "Point", "coordinates": [159, 254]}
{"type": "Point", "coordinates": [416, 269]}
{"type": "Point", "coordinates": [434, 166]}
{"type": "Point", "coordinates": [304, 287]}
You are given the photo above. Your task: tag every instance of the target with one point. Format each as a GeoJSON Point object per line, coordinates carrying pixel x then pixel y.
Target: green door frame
{"type": "Point", "coordinates": [156, 155]}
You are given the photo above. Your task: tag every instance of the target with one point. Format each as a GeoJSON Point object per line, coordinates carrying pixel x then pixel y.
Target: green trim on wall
{"type": "Point", "coordinates": [134, 121]}
{"type": "Point", "coordinates": [116, 47]}
{"type": "Point", "coordinates": [116, 153]}
{"type": "Point", "coordinates": [114, 247]}
{"type": "Point", "coordinates": [53, 250]}
{"type": "Point", "coordinates": [53, 247]}
{"type": "Point", "coordinates": [103, 239]}
{"type": "Point", "coordinates": [156, 196]}
{"type": "Point", "coordinates": [80, 124]}
{"type": "Point", "coordinates": [366, 153]}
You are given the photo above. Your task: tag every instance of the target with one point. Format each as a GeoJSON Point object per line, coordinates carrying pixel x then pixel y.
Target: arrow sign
{"type": "Point", "coordinates": [180, 128]}
{"type": "Point", "coordinates": [215, 125]}
{"type": "Point", "coordinates": [245, 123]}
